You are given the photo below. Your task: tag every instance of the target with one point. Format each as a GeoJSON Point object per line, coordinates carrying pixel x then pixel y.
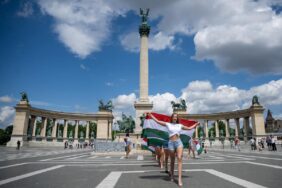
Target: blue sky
{"type": "Point", "coordinates": [67, 55]}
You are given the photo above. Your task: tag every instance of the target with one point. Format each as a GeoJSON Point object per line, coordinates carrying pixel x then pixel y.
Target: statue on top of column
{"type": "Point", "coordinates": [144, 16]}
{"type": "Point", "coordinates": [106, 107]}
{"type": "Point", "coordinates": [179, 106]}
{"type": "Point", "coordinates": [24, 97]}
{"type": "Point", "coordinates": [255, 100]}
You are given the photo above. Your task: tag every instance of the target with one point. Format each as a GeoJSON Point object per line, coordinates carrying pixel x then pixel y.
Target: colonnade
{"type": "Point", "coordinates": [25, 124]}
{"type": "Point", "coordinates": [252, 115]}
{"type": "Point", "coordinates": [227, 136]}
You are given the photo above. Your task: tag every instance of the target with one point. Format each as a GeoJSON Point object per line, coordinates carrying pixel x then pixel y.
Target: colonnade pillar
{"type": "Point", "coordinates": [237, 127]}
{"type": "Point", "coordinates": [216, 130]}
{"type": "Point", "coordinates": [227, 134]}
{"type": "Point", "coordinates": [206, 129]}
{"type": "Point", "coordinates": [43, 131]}
{"type": "Point", "coordinates": [87, 130]}
{"type": "Point", "coordinates": [65, 136]}
{"type": "Point", "coordinates": [54, 129]}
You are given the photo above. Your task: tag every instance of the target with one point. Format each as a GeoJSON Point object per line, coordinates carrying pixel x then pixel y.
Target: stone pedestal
{"type": "Point", "coordinates": [104, 125]}
{"type": "Point", "coordinates": [257, 121]}
{"type": "Point", "coordinates": [141, 108]}
{"type": "Point", "coordinates": [20, 124]}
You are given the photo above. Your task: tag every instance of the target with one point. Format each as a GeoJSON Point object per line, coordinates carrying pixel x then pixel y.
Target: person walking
{"type": "Point", "coordinates": [237, 143]}
{"type": "Point", "coordinates": [127, 145]}
{"type": "Point", "coordinates": [175, 145]}
{"type": "Point", "coordinates": [191, 147]}
{"type": "Point", "coordinates": [18, 145]}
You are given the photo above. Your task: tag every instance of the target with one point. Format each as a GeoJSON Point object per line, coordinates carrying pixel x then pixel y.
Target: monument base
{"type": "Point", "coordinates": [141, 108]}
{"type": "Point", "coordinates": [14, 139]}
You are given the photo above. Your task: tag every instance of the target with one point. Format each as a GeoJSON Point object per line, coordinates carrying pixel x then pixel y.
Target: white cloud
{"type": "Point", "coordinates": [270, 93]}
{"type": "Point", "coordinates": [236, 35]}
{"type": "Point", "coordinates": [202, 97]}
{"type": "Point", "coordinates": [26, 10]}
{"type": "Point", "coordinates": [6, 99]}
{"type": "Point", "coordinates": [158, 41]}
{"type": "Point", "coordinates": [233, 34]}
{"type": "Point", "coordinates": [229, 98]}
{"type": "Point", "coordinates": [123, 104]}
{"type": "Point", "coordinates": [124, 101]}
{"type": "Point", "coordinates": [7, 114]}
{"type": "Point", "coordinates": [82, 26]}
{"type": "Point", "coordinates": [162, 102]}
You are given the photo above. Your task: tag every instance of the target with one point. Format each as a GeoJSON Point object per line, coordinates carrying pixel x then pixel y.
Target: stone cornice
{"type": "Point", "coordinates": [69, 116]}
{"type": "Point", "coordinates": [225, 115]}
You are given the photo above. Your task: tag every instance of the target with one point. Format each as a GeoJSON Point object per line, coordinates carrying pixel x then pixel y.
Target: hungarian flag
{"type": "Point", "coordinates": [157, 135]}
{"type": "Point", "coordinates": [144, 145]}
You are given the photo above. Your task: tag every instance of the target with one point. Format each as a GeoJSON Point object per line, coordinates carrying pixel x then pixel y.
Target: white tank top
{"type": "Point", "coordinates": [173, 129]}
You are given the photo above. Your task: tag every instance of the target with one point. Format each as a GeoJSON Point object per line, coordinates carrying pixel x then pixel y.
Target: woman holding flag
{"type": "Point", "coordinates": [175, 144]}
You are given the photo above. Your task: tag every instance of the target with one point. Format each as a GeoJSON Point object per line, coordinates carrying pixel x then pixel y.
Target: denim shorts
{"type": "Point", "coordinates": [173, 145]}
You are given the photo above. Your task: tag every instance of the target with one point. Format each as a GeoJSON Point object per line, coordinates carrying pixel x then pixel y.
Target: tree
{"type": "Point", "coordinates": [5, 135]}
{"type": "Point", "coordinates": [92, 129]}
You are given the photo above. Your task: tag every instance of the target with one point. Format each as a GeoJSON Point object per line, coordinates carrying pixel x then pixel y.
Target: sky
{"type": "Point", "coordinates": [68, 54]}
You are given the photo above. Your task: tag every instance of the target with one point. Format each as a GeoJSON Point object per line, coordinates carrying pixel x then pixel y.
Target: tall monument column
{"type": "Point", "coordinates": [143, 105]}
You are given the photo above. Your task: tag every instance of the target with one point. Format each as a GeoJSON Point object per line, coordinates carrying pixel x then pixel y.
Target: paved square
{"type": "Point", "coordinates": [84, 168]}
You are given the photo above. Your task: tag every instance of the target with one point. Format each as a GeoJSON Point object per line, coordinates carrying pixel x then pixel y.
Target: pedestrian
{"type": "Point", "coordinates": [252, 142]}
{"type": "Point", "coordinates": [175, 145]}
{"type": "Point", "coordinates": [237, 143]}
{"type": "Point", "coordinates": [273, 144]}
{"type": "Point", "coordinates": [127, 145]}
{"type": "Point", "coordinates": [18, 144]}
{"type": "Point", "coordinates": [192, 147]}
{"type": "Point", "coordinates": [66, 144]}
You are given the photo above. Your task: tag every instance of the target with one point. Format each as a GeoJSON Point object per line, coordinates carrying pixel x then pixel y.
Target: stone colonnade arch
{"type": "Point", "coordinates": [26, 116]}
{"type": "Point", "coordinates": [254, 113]}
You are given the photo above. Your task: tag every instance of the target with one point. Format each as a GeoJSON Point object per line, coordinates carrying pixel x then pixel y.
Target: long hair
{"type": "Point", "coordinates": [177, 121]}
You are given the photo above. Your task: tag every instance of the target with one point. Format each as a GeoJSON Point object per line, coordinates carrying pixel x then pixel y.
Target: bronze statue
{"type": "Point", "coordinates": [255, 100]}
{"type": "Point", "coordinates": [144, 16]}
{"type": "Point", "coordinates": [107, 107]}
{"type": "Point", "coordinates": [179, 106]}
{"type": "Point", "coordinates": [24, 97]}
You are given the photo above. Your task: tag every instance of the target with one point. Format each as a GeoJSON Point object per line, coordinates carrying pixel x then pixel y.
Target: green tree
{"type": "Point", "coordinates": [5, 134]}
{"type": "Point", "coordinates": [92, 129]}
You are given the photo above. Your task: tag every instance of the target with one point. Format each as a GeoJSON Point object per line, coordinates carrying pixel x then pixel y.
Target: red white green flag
{"type": "Point", "coordinates": [157, 134]}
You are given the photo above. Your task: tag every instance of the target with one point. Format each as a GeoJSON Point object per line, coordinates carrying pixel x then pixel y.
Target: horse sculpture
{"type": "Point", "coordinates": [107, 107]}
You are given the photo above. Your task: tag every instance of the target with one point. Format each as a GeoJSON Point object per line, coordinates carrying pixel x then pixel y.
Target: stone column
{"type": "Point", "coordinates": [43, 131]}
{"type": "Point", "coordinates": [196, 133]}
{"type": "Point", "coordinates": [216, 130]}
{"type": "Point", "coordinates": [109, 129]}
{"type": "Point", "coordinates": [237, 127]}
{"type": "Point", "coordinates": [76, 130]}
{"type": "Point", "coordinates": [20, 124]}
{"type": "Point", "coordinates": [54, 129]}
{"type": "Point", "coordinates": [102, 125]}
{"type": "Point", "coordinates": [34, 128]}
{"type": "Point", "coordinates": [257, 121]}
{"type": "Point", "coordinates": [246, 128]}
{"type": "Point", "coordinates": [65, 134]}
{"type": "Point", "coordinates": [32, 120]}
{"type": "Point", "coordinates": [227, 134]}
{"type": "Point", "coordinates": [87, 131]}
{"type": "Point", "coordinates": [206, 129]}
{"type": "Point", "coordinates": [143, 105]}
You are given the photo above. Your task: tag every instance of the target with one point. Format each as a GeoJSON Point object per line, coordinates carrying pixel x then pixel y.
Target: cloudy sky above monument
{"type": "Point", "coordinates": [69, 54]}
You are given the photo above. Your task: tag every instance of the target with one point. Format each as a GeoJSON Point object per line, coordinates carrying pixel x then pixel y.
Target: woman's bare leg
{"type": "Point", "coordinates": [179, 151]}
{"type": "Point", "coordinates": [166, 151]}
{"type": "Point", "coordinates": [172, 158]}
